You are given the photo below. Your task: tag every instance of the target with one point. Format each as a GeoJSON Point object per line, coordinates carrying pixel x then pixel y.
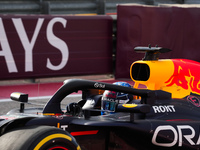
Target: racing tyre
{"type": "Point", "coordinates": [38, 138]}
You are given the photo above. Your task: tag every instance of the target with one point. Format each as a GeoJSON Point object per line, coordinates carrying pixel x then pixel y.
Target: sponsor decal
{"type": "Point", "coordinates": [38, 46]}
{"type": "Point", "coordinates": [99, 85]}
{"type": "Point", "coordinates": [194, 100]}
{"type": "Point", "coordinates": [185, 75]}
{"type": "Point", "coordinates": [28, 43]}
{"type": "Point", "coordinates": [64, 127]}
{"type": "Point", "coordinates": [78, 133]}
{"type": "Point", "coordinates": [129, 105]}
{"type": "Point", "coordinates": [51, 114]}
{"type": "Point", "coordinates": [9, 117]}
{"type": "Point", "coordinates": [164, 108]}
{"type": "Point", "coordinates": [176, 135]}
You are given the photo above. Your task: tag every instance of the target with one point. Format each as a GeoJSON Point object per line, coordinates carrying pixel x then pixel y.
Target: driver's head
{"type": "Point", "coordinates": [123, 97]}
{"type": "Point", "coordinates": [111, 98]}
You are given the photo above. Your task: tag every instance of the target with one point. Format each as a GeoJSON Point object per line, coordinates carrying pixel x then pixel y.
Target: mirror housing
{"type": "Point", "coordinates": [19, 97]}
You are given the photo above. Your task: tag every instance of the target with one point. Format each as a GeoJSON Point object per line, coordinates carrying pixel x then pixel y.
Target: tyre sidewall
{"type": "Point", "coordinates": [37, 138]}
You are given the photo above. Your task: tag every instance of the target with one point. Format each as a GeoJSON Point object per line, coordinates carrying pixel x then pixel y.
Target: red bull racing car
{"type": "Point", "coordinates": [164, 115]}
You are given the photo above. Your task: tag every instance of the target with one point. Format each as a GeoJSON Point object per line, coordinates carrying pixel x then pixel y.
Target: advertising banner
{"type": "Point", "coordinates": [173, 27]}
{"type": "Point", "coordinates": [33, 46]}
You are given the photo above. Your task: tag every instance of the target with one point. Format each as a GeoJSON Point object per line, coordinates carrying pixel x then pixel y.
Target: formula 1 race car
{"type": "Point", "coordinates": [164, 115]}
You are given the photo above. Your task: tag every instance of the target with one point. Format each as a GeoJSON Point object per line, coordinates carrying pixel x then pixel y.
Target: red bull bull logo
{"type": "Point", "coordinates": [177, 76]}
{"type": "Point", "coordinates": [186, 75]}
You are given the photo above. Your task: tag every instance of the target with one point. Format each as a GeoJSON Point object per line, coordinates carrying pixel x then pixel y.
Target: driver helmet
{"type": "Point", "coordinates": [111, 98]}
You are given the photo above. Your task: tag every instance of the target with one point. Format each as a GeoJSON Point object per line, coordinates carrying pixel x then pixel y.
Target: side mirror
{"type": "Point", "coordinates": [19, 97]}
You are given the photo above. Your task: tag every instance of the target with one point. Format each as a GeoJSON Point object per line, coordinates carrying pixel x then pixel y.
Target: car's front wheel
{"type": "Point", "coordinates": [38, 138]}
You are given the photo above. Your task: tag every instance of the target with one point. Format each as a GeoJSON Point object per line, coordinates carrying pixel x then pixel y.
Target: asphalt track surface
{"type": "Point", "coordinates": [40, 92]}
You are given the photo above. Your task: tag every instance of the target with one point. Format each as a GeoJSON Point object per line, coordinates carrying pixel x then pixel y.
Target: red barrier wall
{"type": "Point", "coordinates": [34, 46]}
{"type": "Point", "coordinates": [171, 27]}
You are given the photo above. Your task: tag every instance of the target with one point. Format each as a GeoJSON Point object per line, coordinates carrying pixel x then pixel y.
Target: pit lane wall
{"type": "Point", "coordinates": [176, 27]}
{"type": "Point", "coordinates": [33, 46]}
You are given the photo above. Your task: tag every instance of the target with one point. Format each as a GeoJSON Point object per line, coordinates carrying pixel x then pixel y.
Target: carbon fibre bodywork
{"type": "Point", "coordinates": [153, 122]}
